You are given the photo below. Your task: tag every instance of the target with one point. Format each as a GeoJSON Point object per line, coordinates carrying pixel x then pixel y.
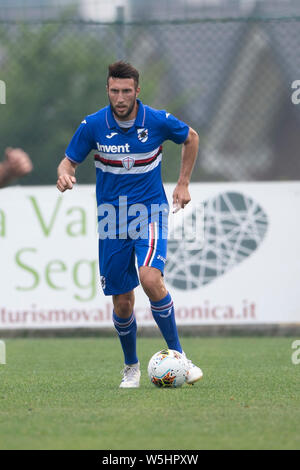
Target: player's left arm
{"type": "Point", "coordinates": [181, 194]}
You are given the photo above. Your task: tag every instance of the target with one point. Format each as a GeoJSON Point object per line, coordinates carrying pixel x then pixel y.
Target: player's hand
{"type": "Point", "coordinates": [181, 197]}
{"type": "Point", "coordinates": [65, 182]}
{"type": "Point", "coordinates": [18, 162]}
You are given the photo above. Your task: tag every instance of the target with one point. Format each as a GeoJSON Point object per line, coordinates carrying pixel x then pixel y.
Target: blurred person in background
{"type": "Point", "coordinates": [16, 163]}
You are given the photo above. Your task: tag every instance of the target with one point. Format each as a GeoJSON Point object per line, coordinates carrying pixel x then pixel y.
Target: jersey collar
{"type": "Point", "coordinates": [139, 120]}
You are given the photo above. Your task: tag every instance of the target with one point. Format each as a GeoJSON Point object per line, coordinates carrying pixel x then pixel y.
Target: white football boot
{"type": "Point", "coordinates": [194, 372]}
{"type": "Point", "coordinates": [131, 376]}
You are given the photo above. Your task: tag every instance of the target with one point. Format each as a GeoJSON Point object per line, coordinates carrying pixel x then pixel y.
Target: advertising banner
{"type": "Point", "coordinates": [242, 267]}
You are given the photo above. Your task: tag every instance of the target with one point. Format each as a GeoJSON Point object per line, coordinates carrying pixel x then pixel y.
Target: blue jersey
{"type": "Point", "coordinates": [128, 162]}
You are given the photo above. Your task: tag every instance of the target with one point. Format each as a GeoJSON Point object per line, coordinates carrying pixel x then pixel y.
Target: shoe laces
{"type": "Point", "coordinates": [129, 371]}
{"type": "Point", "coordinates": [189, 362]}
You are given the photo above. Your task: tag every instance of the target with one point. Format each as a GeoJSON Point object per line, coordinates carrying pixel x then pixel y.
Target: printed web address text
{"type": "Point", "coordinates": [102, 316]}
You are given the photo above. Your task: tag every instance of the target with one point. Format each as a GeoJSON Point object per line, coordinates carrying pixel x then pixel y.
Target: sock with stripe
{"type": "Point", "coordinates": [164, 315]}
{"type": "Point", "coordinates": [126, 328]}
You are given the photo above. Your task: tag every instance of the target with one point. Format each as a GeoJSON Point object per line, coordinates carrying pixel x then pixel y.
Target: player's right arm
{"type": "Point", "coordinates": [66, 174]}
{"type": "Point", "coordinates": [81, 144]}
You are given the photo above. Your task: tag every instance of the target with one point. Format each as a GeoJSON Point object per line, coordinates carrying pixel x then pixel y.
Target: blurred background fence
{"type": "Point", "coordinates": [226, 68]}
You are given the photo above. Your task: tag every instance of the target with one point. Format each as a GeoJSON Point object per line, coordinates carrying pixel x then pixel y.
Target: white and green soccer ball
{"type": "Point", "coordinates": [168, 368]}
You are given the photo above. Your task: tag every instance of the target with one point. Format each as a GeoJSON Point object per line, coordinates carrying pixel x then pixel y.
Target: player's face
{"type": "Point", "coordinates": [122, 95]}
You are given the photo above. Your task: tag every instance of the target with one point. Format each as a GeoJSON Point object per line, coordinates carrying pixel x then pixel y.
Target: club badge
{"type": "Point", "coordinates": [142, 135]}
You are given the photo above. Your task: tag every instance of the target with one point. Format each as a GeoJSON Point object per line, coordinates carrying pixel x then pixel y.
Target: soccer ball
{"type": "Point", "coordinates": [167, 368]}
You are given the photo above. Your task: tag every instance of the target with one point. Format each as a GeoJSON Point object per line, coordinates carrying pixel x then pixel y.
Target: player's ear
{"type": "Point", "coordinates": [138, 91]}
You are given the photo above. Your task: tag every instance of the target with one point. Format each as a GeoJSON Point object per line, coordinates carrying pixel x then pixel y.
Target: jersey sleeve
{"type": "Point", "coordinates": [176, 130]}
{"type": "Point", "coordinates": [81, 143]}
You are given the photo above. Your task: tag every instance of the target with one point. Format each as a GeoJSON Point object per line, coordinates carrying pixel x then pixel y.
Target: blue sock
{"type": "Point", "coordinates": [126, 328]}
{"type": "Point", "coordinates": [164, 315]}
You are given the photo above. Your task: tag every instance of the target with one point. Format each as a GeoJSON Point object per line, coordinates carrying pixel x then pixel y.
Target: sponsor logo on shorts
{"type": "Point", "coordinates": [103, 282]}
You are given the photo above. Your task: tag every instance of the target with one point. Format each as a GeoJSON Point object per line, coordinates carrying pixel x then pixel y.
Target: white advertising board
{"type": "Point", "coordinates": [246, 270]}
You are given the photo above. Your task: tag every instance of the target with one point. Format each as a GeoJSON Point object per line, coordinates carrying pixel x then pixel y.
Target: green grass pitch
{"type": "Point", "coordinates": [64, 394]}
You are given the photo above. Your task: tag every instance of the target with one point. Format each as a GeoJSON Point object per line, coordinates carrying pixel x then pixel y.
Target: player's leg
{"type": "Point", "coordinates": [125, 324]}
{"type": "Point", "coordinates": [161, 303]}
{"type": "Point", "coordinates": [162, 308]}
{"type": "Point", "coordinates": [151, 254]}
{"type": "Point", "coordinates": [119, 278]}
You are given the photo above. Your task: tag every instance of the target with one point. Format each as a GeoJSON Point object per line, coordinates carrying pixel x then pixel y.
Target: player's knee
{"type": "Point", "coordinates": [151, 280]}
{"type": "Point", "coordinates": [147, 279]}
{"type": "Point", "coordinates": [123, 304]}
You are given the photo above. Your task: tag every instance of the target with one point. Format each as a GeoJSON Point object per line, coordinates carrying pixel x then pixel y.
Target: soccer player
{"type": "Point", "coordinates": [127, 136]}
{"type": "Point", "coordinates": [16, 163]}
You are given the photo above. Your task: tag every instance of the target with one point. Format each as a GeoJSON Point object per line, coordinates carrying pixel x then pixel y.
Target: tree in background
{"type": "Point", "coordinates": [55, 75]}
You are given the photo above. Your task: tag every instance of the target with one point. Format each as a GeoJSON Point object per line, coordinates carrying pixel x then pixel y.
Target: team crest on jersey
{"type": "Point", "coordinates": [128, 162]}
{"type": "Point", "coordinates": [142, 135]}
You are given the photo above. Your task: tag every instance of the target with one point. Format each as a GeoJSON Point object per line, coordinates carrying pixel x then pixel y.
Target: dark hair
{"type": "Point", "coordinates": [123, 70]}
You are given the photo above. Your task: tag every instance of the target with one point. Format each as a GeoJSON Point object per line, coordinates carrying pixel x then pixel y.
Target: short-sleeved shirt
{"type": "Point", "coordinates": [128, 162]}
